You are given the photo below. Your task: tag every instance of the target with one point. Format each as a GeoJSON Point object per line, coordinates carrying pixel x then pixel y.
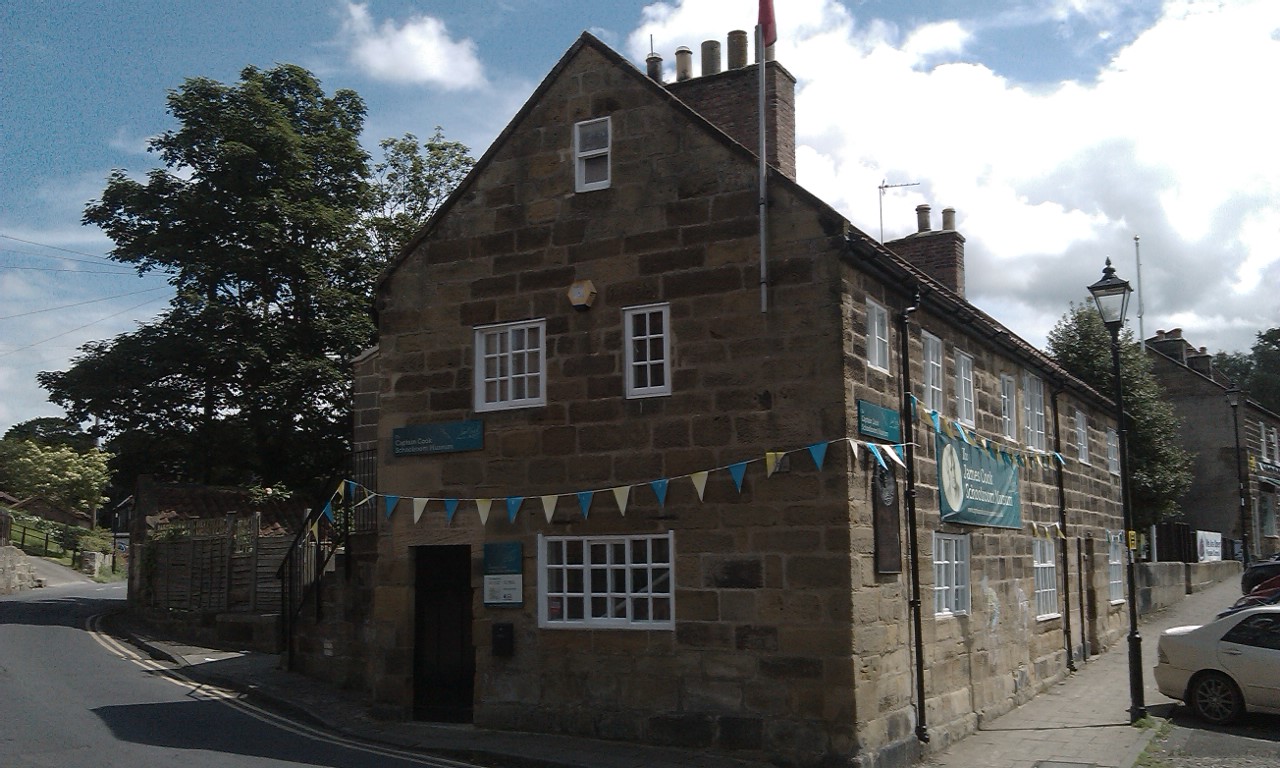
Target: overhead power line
{"type": "Point", "coordinates": [73, 330]}
{"type": "Point", "coordinates": [82, 303]}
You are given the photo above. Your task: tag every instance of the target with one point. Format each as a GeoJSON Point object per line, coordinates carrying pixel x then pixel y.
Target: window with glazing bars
{"type": "Point", "coordinates": [510, 366]}
{"type": "Point", "coordinates": [1045, 571]}
{"type": "Point", "coordinates": [648, 350]}
{"type": "Point", "coordinates": [623, 582]}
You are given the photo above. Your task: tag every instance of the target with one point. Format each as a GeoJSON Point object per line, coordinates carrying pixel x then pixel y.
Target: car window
{"type": "Point", "coordinates": [1259, 631]}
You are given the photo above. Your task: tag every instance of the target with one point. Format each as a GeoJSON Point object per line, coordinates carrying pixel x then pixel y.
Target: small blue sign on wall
{"type": "Point", "coordinates": [879, 422]}
{"type": "Point", "coordinates": [445, 437]}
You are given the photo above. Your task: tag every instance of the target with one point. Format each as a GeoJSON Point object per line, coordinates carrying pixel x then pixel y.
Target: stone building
{"type": "Point", "coordinates": [639, 487]}
{"type": "Point", "coordinates": [1229, 444]}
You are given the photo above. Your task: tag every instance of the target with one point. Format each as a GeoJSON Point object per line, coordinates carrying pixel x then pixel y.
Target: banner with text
{"type": "Point", "coordinates": [976, 486]}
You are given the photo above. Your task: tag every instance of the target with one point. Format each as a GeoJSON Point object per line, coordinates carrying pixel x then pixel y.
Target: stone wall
{"type": "Point", "coordinates": [15, 572]}
{"type": "Point", "coordinates": [1201, 576]}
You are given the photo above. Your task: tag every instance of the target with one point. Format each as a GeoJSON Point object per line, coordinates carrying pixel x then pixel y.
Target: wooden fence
{"type": "Point", "coordinates": [214, 565]}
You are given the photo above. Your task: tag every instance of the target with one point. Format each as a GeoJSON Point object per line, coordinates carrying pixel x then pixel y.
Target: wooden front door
{"type": "Point", "coordinates": [444, 661]}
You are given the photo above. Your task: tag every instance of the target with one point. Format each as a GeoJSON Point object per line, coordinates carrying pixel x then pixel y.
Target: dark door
{"type": "Point", "coordinates": [444, 662]}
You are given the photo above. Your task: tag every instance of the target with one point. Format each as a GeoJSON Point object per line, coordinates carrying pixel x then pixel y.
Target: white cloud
{"type": "Point", "coordinates": [417, 51]}
{"type": "Point", "coordinates": [1170, 139]}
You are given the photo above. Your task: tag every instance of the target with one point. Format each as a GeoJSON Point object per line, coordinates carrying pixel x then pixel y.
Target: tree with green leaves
{"type": "Point", "coordinates": [410, 183]}
{"type": "Point", "coordinates": [256, 216]}
{"type": "Point", "coordinates": [51, 431]}
{"type": "Point", "coordinates": [1159, 469]}
{"type": "Point", "coordinates": [59, 474]}
{"type": "Point", "coordinates": [1257, 372]}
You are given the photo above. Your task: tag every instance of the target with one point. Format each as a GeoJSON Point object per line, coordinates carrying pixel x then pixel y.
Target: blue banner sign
{"type": "Point", "coordinates": [879, 422]}
{"type": "Point", "coordinates": [445, 437]}
{"type": "Point", "coordinates": [976, 487]}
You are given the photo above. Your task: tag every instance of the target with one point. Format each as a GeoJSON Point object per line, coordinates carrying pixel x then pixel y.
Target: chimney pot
{"type": "Point", "coordinates": [653, 67]}
{"type": "Point", "coordinates": [948, 219]}
{"type": "Point", "coordinates": [710, 57]}
{"type": "Point", "coordinates": [922, 218]}
{"type": "Point", "coordinates": [684, 63]}
{"type": "Point", "coordinates": [737, 49]}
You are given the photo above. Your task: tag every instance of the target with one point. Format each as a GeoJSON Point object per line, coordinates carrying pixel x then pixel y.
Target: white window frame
{"type": "Point", "coordinates": [1044, 567]}
{"type": "Point", "coordinates": [1275, 445]}
{"type": "Point", "coordinates": [932, 354]}
{"type": "Point", "coordinates": [1267, 514]}
{"type": "Point", "coordinates": [1033, 433]}
{"type": "Point", "coordinates": [610, 582]}
{"type": "Point", "coordinates": [1113, 451]}
{"type": "Point", "coordinates": [647, 354]}
{"type": "Point", "coordinates": [966, 412]}
{"type": "Point", "coordinates": [950, 574]}
{"type": "Point", "coordinates": [1115, 566]}
{"type": "Point", "coordinates": [581, 156]}
{"type": "Point", "coordinates": [510, 371]}
{"type": "Point", "coordinates": [877, 336]}
{"type": "Point", "coordinates": [1008, 407]}
{"type": "Point", "coordinates": [1082, 435]}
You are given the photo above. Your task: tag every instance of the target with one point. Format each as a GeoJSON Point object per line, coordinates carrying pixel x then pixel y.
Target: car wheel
{"type": "Point", "coordinates": [1215, 698]}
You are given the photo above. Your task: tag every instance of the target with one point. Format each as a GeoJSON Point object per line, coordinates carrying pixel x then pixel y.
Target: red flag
{"type": "Point", "coordinates": [768, 27]}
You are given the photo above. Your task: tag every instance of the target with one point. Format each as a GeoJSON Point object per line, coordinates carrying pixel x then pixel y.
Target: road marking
{"type": "Point", "coordinates": [236, 700]}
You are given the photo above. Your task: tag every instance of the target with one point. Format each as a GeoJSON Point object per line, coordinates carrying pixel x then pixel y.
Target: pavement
{"type": "Point", "coordinates": [1080, 722]}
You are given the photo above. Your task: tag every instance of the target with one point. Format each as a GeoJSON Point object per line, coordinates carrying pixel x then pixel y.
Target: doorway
{"type": "Point", "coordinates": [444, 661]}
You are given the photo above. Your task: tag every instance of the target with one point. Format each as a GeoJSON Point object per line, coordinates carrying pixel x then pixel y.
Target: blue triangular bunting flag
{"type": "Point", "coordinates": [660, 490]}
{"type": "Point", "coordinates": [584, 501]}
{"type": "Point", "coordinates": [513, 506]}
{"type": "Point", "coordinates": [450, 506]}
{"type": "Point", "coordinates": [937, 427]}
{"type": "Point", "coordinates": [328, 511]}
{"type": "Point", "coordinates": [876, 452]}
{"type": "Point", "coordinates": [391, 504]}
{"type": "Point", "coordinates": [819, 453]}
{"type": "Point", "coordinates": [738, 471]}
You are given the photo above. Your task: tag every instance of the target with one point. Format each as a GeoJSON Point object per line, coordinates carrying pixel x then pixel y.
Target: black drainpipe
{"type": "Point", "coordinates": [905, 416]}
{"type": "Point", "coordinates": [1062, 523]}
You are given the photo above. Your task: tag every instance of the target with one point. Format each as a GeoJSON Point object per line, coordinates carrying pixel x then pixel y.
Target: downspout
{"type": "Point", "coordinates": [764, 176]}
{"type": "Point", "coordinates": [1062, 524]}
{"type": "Point", "coordinates": [905, 416]}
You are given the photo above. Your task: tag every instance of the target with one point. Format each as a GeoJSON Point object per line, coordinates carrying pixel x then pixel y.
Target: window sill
{"type": "Point", "coordinates": [1049, 617]}
{"type": "Point", "coordinates": [1114, 603]}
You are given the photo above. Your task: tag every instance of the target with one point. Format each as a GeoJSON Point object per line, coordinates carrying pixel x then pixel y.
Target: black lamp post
{"type": "Point", "coordinates": [1111, 294]}
{"type": "Point", "coordinates": [1233, 399]}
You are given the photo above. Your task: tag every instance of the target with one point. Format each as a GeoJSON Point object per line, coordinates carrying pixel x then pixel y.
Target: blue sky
{"type": "Point", "coordinates": [1058, 129]}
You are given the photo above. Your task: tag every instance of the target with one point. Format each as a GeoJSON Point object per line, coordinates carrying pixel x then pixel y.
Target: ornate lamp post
{"type": "Point", "coordinates": [1233, 399]}
{"type": "Point", "coordinates": [1111, 294]}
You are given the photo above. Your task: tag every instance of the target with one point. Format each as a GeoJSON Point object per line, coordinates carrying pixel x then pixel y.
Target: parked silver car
{"type": "Point", "coordinates": [1225, 667]}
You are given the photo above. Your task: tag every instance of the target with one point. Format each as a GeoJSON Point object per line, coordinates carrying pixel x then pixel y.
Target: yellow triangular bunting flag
{"type": "Point", "coordinates": [418, 506]}
{"type": "Point", "coordinates": [853, 445]}
{"type": "Point", "coordinates": [549, 506]}
{"type": "Point", "coordinates": [699, 483]}
{"type": "Point", "coordinates": [621, 493]}
{"type": "Point", "coordinates": [483, 505]}
{"type": "Point", "coordinates": [771, 459]}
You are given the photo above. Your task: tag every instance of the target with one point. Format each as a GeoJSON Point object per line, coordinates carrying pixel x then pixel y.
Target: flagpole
{"type": "Point", "coordinates": [764, 170]}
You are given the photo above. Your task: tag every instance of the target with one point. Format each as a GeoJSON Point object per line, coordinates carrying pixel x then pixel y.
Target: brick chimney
{"type": "Point", "coordinates": [1171, 344]}
{"type": "Point", "coordinates": [730, 100]}
{"type": "Point", "coordinates": [939, 254]}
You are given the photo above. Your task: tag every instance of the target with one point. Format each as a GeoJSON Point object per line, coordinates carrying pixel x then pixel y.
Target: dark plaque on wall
{"type": "Point", "coordinates": [886, 523]}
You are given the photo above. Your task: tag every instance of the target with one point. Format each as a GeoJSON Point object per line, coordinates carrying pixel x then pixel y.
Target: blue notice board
{"type": "Point", "coordinates": [879, 422]}
{"type": "Point", "coordinates": [445, 437]}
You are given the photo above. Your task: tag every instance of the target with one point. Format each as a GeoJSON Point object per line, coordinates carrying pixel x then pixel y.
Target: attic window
{"type": "Point", "coordinates": [591, 141]}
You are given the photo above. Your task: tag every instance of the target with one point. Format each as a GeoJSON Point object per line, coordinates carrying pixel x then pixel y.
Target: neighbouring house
{"type": "Point", "coordinates": [1235, 443]}
{"type": "Point", "coordinates": [641, 484]}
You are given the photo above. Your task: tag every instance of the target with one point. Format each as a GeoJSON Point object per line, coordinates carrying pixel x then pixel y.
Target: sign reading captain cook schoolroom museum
{"type": "Point", "coordinates": [975, 487]}
{"type": "Point", "coordinates": [445, 437]}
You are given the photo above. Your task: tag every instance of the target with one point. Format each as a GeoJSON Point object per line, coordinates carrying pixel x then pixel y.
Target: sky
{"type": "Point", "coordinates": [1059, 130]}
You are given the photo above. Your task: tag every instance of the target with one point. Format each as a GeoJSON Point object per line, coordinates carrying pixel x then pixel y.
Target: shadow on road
{"type": "Point", "coordinates": [1251, 726]}
{"type": "Point", "coordinates": [213, 727]}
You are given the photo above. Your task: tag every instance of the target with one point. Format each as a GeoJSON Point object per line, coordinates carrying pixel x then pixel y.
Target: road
{"type": "Point", "coordinates": [73, 697]}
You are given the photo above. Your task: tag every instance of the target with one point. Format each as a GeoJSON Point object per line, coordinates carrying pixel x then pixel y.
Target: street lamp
{"type": "Point", "coordinates": [1111, 294]}
{"type": "Point", "coordinates": [1233, 399]}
